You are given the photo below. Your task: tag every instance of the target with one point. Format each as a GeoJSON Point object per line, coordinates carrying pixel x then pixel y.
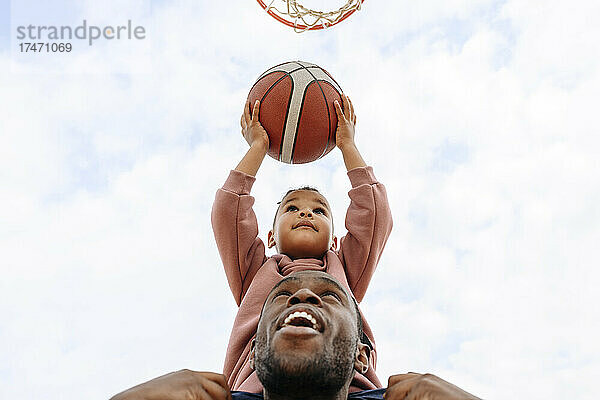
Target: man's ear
{"type": "Point", "coordinates": [333, 243]}
{"type": "Point", "coordinates": [361, 361]}
{"type": "Point", "coordinates": [251, 356]}
{"type": "Point", "coordinates": [271, 239]}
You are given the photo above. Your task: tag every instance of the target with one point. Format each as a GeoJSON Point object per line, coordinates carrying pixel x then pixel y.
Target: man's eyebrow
{"type": "Point", "coordinates": [285, 280]}
{"type": "Point", "coordinates": [323, 278]}
{"type": "Point", "coordinates": [334, 283]}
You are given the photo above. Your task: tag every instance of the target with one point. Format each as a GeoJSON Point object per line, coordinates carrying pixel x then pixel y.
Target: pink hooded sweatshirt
{"type": "Point", "coordinates": [252, 275]}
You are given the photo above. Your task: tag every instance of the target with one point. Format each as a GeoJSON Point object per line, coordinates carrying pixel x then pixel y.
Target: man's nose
{"type": "Point", "coordinates": [304, 295]}
{"type": "Point", "coordinates": [306, 213]}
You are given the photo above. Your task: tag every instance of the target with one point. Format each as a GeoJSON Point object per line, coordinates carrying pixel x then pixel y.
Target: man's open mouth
{"type": "Point", "coordinates": [305, 223]}
{"type": "Point", "coordinates": [303, 318]}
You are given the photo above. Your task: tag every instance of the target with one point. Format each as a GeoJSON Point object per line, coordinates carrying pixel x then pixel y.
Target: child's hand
{"type": "Point", "coordinates": [257, 138]}
{"type": "Point", "coordinates": [252, 130]}
{"type": "Point", "coordinates": [344, 134]}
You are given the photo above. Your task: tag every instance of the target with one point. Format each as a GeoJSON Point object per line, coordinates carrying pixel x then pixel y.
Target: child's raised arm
{"type": "Point", "coordinates": [368, 219]}
{"type": "Point", "coordinates": [233, 220]}
{"type": "Point", "coordinates": [257, 138]}
{"type": "Point", "coordinates": [344, 134]}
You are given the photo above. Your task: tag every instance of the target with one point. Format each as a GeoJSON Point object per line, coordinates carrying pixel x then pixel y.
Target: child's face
{"type": "Point", "coordinates": [303, 225]}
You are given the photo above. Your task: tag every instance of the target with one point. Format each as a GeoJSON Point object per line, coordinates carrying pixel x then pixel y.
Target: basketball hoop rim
{"type": "Point", "coordinates": [302, 26]}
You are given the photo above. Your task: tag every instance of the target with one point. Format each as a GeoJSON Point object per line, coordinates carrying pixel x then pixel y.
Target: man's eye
{"type": "Point", "coordinates": [319, 211]}
{"type": "Point", "coordinates": [291, 208]}
{"type": "Point", "coordinates": [332, 294]}
{"type": "Point", "coordinates": [283, 293]}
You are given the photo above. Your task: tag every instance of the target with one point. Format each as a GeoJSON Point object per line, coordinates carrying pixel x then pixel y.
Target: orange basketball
{"type": "Point", "coordinates": [297, 110]}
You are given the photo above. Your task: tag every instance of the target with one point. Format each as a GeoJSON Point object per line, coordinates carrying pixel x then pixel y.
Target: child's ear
{"type": "Point", "coordinates": [251, 356]}
{"type": "Point", "coordinates": [361, 361]}
{"type": "Point", "coordinates": [271, 239]}
{"type": "Point", "coordinates": [333, 243]}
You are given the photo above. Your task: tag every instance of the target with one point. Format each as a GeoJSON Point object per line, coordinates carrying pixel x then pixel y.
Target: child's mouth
{"type": "Point", "coordinates": [304, 224]}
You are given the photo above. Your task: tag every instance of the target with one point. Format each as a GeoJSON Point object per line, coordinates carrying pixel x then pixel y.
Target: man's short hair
{"type": "Point", "coordinates": [363, 338]}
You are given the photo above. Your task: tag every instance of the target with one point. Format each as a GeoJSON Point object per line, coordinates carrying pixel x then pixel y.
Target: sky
{"type": "Point", "coordinates": [480, 117]}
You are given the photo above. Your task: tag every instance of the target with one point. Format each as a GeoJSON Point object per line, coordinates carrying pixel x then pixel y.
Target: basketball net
{"type": "Point", "coordinates": [301, 18]}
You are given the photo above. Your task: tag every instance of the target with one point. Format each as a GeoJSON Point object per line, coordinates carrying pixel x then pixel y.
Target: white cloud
{"type": "Point", "coordinates": [110, 274]}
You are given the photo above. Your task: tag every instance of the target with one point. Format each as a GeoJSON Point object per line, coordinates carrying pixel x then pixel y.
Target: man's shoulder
{"type": "Point", "coordinates": [375, 394]}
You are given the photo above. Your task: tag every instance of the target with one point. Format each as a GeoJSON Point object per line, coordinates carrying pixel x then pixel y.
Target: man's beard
{"type": "Point", "coordinates": [319, 374]}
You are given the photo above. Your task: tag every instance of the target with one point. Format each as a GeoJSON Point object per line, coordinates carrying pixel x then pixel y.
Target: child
{"type": "Point", "coordinates": [303, 236]}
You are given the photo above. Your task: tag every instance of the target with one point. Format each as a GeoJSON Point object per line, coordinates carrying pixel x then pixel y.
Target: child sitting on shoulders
{"type": "Point", "coordinates": [303, 237]}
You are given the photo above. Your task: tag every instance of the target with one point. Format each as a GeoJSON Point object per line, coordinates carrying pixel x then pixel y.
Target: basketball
{"type": "Point", "coordinates": [297, 110]}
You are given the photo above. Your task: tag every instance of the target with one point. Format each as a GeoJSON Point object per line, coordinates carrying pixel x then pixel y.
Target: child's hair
{"type": "Point", "coordinates": [312, 189]}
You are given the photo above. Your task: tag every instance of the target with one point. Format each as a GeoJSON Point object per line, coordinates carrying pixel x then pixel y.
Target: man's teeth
{"type": "Point", "coordinates": [301, 314]}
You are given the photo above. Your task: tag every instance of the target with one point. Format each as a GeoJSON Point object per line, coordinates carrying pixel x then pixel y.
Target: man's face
{"type": "Point", "coordinates": [303, 225]}
{"type": "Point", "coordinates": [307, 335]}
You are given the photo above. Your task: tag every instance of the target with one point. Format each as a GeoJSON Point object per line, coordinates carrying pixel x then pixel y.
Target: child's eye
{"type": "Point", "coordinates": [319, 211]}
{"type": "Point", "coordinates": [291, 208]}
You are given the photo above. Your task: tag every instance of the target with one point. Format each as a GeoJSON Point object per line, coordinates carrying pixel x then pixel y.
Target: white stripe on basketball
{"type": "Point", "coordinates": [322, 76]}
{"type": "Point", "coordinates": [285, 67]}
{"type": "Point", "coordinates": [301, 78]}
{"type": "Point", "coordinates": [302, 74]}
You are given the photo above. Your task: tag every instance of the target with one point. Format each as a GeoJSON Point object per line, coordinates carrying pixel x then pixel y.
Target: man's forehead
{"type": "Point", "coordinates": [308, 278]}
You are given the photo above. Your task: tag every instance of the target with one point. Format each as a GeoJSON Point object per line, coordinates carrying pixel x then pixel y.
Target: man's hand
{"type": "Point", "coordinates": [252, 130]}
{"type": "Point", "coordinates": [180, 385]}
{"type": "Point", "coordinates": [413, 386]}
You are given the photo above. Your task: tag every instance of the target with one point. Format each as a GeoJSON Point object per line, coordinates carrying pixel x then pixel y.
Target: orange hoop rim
{"type": "Point", "coordinates": [303, 27]}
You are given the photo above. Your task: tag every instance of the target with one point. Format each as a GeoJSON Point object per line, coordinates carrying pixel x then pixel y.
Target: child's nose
{"type": "Point", "coordinates": [305, 213]}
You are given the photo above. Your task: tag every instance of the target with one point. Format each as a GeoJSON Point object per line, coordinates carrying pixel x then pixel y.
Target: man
{"type": "Point", "coordinates": [307, 346]}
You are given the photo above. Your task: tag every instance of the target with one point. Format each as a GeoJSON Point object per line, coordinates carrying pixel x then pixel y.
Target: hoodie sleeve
{"type": "Point", "coordinates": [236, 232]}
{"type": "Point", "coordinates": [369, 223]}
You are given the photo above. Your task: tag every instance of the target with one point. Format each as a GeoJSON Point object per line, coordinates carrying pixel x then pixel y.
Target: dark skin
{"type": "Point", "coordinates": [325, 299]}
{"type": "Point", "coordinates": [423, 386]}
{"type": "Point", "coordinates": [180, 385]}
{"type": "Point", "coordinates": [193, 385]}
{"type": "Point", "coordinates": [321, 296]}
